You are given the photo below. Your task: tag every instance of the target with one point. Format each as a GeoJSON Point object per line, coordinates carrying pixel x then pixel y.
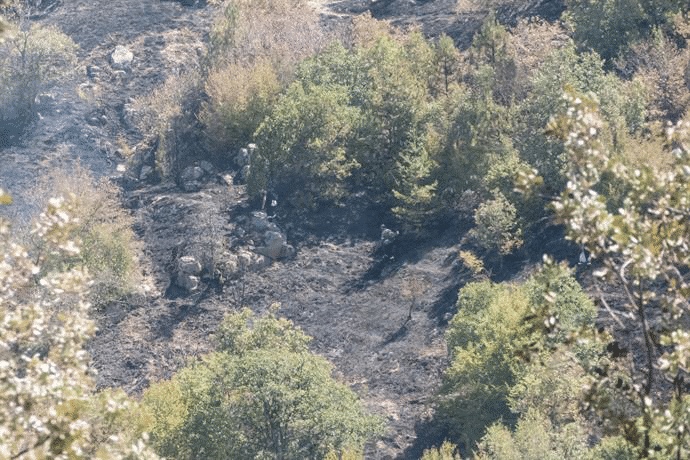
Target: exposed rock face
{"type": "Point", "coordinates": [121, 58]}
{"type": "Point", "coordinates": [146, 173]}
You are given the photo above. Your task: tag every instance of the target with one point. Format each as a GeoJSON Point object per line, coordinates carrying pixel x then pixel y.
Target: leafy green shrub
{"type": "Point", "coordinates": [31, 60]}
{"type": "Point", "coordinates": [534, 438]}
{"type": "Point", "coordinates": [623, 104]}
{"type": "Point", "coordinates": [554, 285]}
{"type": "Point", "coordinates": [481, 338]}
{"type": "Point", "coordinates": [445, 452]}
{"type": "Point", "coordinates": [360, 115]}
{"type": "Point", "coordinates": [476, 135]}
{"type": "Point", "coordinates": [304, 141]}
{"type": "Point", "coordinates": [488, 380]}
{"type": "Point", "coordinates": [643, 246]}
{"type": "Point", "coordinates": [496, 225]}
{"type": "Point", "coordinates": [612, 449]}
{"type": "Point", "coordinates": [262, 394]}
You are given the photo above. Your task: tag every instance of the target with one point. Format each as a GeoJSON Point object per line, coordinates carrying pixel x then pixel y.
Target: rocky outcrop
{"type": "Point", "coordinates": [275, 246]}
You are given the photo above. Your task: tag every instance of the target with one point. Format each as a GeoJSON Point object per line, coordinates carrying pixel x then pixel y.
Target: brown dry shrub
{"type": "Point", "coordinates": [664, 68]}
{"type": "Point", "coordinates": [255, 48]}
{"type": "Point", "coordinates": [167, 113]}
{"type": "Point", "coordinates": [109, 248]}
{"type": "Point", "coordinates": [239, 98]}
{"type": "Point", "coordinates": [534, 39]}
{"type": "Point", "coordinates": [365, 30]}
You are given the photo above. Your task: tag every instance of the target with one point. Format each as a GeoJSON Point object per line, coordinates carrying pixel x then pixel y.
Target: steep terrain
{"type": "Point", "coordinates": [378, 314]}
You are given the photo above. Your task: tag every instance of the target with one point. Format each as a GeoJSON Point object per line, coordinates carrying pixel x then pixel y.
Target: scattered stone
{"type": "Point", "coordinates": [146, 173]}
{"type": "Point", "coordinates": [188, 271]}
{"type": "Point", "coordinates": [121, 58]}
{"type": "Point", "coordinates": [260, 223]}
{"type": "Point", "coordinates": [208, 167]}
{"type": "Point", "coordinates": [96, 118]}
{"type": "Point", "coordinates": [94, 72]}
{"type": "Point", "coordinates": [276, 246]}
{"type": "Point", "coordinates": [191, 178]}
{"type": "Point", "coordinates": [244, 174]}
{"type": "Point", "coordinates": [226, 179]}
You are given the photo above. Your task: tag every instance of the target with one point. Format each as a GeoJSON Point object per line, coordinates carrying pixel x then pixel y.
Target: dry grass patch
{"type": "Point", "coordinates": [109, 248]}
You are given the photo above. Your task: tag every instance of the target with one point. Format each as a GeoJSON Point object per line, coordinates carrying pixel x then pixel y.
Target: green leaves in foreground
{"type": "Point", "coordinates": [643, 246]}
{"type": "Point", "coordinates": [263, 394]}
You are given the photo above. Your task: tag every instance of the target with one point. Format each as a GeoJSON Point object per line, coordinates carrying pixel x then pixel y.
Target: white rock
{"type": "Point", "coordinates": [188, 265]}
{"type": "Point", "coordinates": [121, 58]}
{"type": "Point", "coordinates": [275, 245]}
{"type": "Point", "coordinates": [145, 173]}
{"type": "Point", "coordinates": [188, 282]}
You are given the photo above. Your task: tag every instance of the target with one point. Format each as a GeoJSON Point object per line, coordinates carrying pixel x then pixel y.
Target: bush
{"type": "Point", "coordinates": [488, 380]}
{"type": "Point", "coordinates": [32, 58]}
{"type": "Point", "coordinates": [535, 438]}
{"type": "Point", "coordinates": [496, 225]}
{"type": "Point", "coordinates": [109, 248]}
{"type": "Point", "coordinates": [359, 115]}
{"type": "Point", "coordinates": [240, 96]}
{"type": "Point", "coordinates": [481, 338]}
{"type": "Point", "coordinates": [169, 114]}
{"type": "Point", "coordinates": [663, 68]}
{"type": "Point", "coordinates": [445, 452]}
{"type": "Point", "coordinates": [255, 48]}
{"type": "Point", "coordinates": [304, 142]}
{"type": "Point", "coordinates": [643, 246]}
{"type": "Point", "coordinates": [623, 104]}
{"type": "Point", "coordinates": [262, 394]}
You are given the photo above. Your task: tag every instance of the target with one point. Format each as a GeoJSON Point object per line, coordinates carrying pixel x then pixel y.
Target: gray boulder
{"type": "Point", "coordinates": [191, 178]}
{"type": "Point", "coordinates": [259, 223]}
{"type": "Point", "coordinates": [242, 158]}
{"type": "Point", "coordinates": [275, 246]}
{"type": "Point", "coordinates": [121, 58]}
{"type": "Point", "coordinates": [146, 173]}
{"type": "Point", "coordinates": [188, 271]}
